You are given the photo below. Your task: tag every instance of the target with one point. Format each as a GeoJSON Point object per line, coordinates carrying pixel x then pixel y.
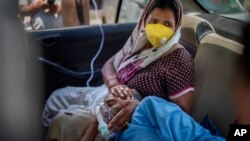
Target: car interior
{"type": "Point", "coordinates": [213, 41]}
{"type": "Point", "coordinates": [214, 76]}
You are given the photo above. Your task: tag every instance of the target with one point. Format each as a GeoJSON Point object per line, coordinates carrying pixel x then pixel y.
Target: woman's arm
{"type": "Point", "coordinates": [109, 73]}
{"type": "Point", "coordinates": [180, 81]}
{"type": "Point", "coordinates": [114, 86]}
{"type": "Point", "coordinates": [185, 102]}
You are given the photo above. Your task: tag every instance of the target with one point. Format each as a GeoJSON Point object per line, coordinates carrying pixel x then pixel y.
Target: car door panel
{"type": "Point", "coordinates": [67, 53]}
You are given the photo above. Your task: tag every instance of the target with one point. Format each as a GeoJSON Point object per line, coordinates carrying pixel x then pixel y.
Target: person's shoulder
{"type": "Point", "coordinates": [180, 54]}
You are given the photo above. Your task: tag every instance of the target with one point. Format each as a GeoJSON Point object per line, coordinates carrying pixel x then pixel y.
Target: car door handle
{"type": "Point", "coordinates": [50, 40]}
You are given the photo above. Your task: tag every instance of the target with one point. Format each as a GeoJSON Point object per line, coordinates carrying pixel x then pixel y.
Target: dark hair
{"type": "Point", "coordinates": [244, 60]}
{"type": "Point", "coordinates": [164, 4]}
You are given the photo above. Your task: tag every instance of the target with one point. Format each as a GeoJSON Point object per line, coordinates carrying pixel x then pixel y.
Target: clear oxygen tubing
{"type": "Point", "coordinates": [91, 72]}
{"type": "Point", "coordinates": [61, 67]}
{"type": "Point", "coordinates": [100, 47]}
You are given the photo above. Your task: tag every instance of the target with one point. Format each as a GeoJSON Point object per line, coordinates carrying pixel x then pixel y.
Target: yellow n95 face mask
{"type": "Point", "coordinates": [158, 34]}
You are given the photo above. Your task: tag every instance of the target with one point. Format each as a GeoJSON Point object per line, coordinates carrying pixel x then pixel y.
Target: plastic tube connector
{"type": "Point", "coordinates": [102, 126]}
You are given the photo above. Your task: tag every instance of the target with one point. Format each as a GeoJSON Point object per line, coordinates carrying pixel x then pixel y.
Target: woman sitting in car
{"type": "Point", "coordinates": [152, 62]}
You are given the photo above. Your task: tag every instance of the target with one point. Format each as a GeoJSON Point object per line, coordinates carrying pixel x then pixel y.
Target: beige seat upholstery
{"type": "Point", "coordinates": [214, 74]}
{"type": "Point", "coordinates": [194, 29]}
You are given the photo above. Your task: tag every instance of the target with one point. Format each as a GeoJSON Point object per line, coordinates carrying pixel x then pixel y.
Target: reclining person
{"type": "Point", "coordinates": [76, 125]}
{"type": "Point", "coordinates": [156, 119]}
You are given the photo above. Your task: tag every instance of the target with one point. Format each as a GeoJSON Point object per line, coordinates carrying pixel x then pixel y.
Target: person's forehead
{"type": "Point", "coordinates": [164, 14]}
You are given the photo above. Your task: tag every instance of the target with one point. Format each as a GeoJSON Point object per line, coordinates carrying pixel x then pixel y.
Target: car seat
{"type": "Point", "coordinates": [214, 75]}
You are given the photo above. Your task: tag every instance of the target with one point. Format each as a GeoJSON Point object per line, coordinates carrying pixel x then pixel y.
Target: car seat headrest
{"type": "Point", "coordinates": [194, 29]}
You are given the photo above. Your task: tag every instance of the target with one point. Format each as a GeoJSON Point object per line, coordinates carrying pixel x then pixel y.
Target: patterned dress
{"type": "Point", "coordinates": [169, 77]}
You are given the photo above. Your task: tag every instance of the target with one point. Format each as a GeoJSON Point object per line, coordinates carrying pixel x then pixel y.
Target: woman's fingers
{"type": "Point", "coordinates": [126, 93]}
{"type": "Point", "coordinates": [123, 127]}
{"type": "Point", "coordinates": [119, 92]}
{"type": "Point", "coordinates": [115, 119]}
{"type": "Point", "coordinates": [122, 91]}
{"type": "Point", "coordinates": [119, 120]}
{"type": "Point", "coordinates": [124, 116]}
{"type": "Point", "coordinates": [130, 93]}
{"type": "Point", "coordinates": [113, 92]}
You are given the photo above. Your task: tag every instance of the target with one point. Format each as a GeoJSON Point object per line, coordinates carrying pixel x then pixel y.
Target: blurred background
{"type": "Point", "coordinates": [82, 12]}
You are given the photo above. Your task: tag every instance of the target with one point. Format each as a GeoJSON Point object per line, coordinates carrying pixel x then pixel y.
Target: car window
{"type": "Point", "coordinates": [235, 9]}
{"type": "Point", "coordinates": [50, 14]}
{"type": "Point", "coordinates": [132, 9]}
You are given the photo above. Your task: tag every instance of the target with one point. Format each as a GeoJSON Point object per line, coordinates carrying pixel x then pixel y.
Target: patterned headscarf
{"type": "Point", "coordinates": [127, 63]}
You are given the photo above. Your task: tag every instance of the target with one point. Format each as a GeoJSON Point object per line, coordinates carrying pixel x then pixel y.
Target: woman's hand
{"type": "Point", "coordinates": [121, 91]}
{"type": "Point", "coordinates": [121, 120]}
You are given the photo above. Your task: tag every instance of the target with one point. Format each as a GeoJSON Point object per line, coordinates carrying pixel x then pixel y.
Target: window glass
{"type": "Point", "coordinates": [235, 9]}
{"type": "Point", "coordinates": [132, 9]}
{"type": "Point", "coordinates": [49, 14]}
